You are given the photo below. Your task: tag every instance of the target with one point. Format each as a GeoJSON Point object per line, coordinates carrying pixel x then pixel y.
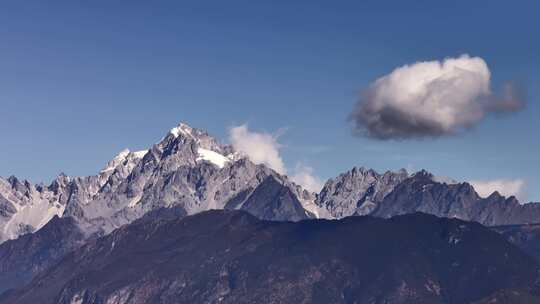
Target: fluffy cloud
{"type": "Point", "coordinates": [304, 175]}
{"type": "Point", "coordinates": [506, 187]}
{"type": "Point", "coordinates": [431, 99]}
{"type": "Point", "coordinates": [261, 148]}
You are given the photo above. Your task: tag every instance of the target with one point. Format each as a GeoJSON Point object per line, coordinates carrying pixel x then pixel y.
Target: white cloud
{"type": "Point", "coordinates": [431, 99]}
{"type": "Point", "coordinates": [260, 147]}
{"type": "Point", "coordinates": [264, 148]}
{"type": "Point", "coordinates": [303, 175]}
{"type": "Point", "coordinates": [506, 187]}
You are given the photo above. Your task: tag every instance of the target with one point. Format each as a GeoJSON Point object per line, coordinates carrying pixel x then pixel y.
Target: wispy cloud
{"type": "Point", "coordinates": [260, 147]}
{"type": "Point", "coordinates": [304, 175]}
{"type": "Point", "coordinates": [264, 148]}
{"type": "Point", "coordinates": [506, 187]}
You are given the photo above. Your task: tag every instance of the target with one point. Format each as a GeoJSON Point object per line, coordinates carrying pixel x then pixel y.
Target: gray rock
{"type": "Point", "coordinates": [187, 169]}
{"type": "Point", "coordinates": [356, 192]}
{"type": "Point", "coordinates": [421, 193]}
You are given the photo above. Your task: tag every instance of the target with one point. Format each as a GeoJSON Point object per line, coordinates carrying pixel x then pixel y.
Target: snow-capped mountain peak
{"type": "Point", "coordinates": [190, 170]}
{"type": "Point", "coordinates": [182, 128]}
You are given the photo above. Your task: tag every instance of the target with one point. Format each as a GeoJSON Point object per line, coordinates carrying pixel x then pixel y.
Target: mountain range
{"type": "Point", "coordinates": [191, 169]}
{"type": "Point", "coordinates": [189, 172]}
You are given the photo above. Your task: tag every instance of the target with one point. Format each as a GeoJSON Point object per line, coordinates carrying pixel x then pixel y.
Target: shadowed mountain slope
{"type": "Point", "coordinates": [26, 256]}
{"type": "Point", "coordinates": [226, 256]}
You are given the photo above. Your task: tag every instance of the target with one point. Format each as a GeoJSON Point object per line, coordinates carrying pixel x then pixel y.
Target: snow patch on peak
{"type": "Point", "coordinates": [121, 157]}
{"type": "Point", "coordinates": [123, 154]}
{"type": "Point", "coordinates": [213, 157]}
{"type": "Point", "coordinates": [118, 159]}
{"type": "Point", "coordinates": [182, 128]}
{"type": "Point", "coordinates": [175, 131]}
{"type": "Point", "coordinates": [140, 154]}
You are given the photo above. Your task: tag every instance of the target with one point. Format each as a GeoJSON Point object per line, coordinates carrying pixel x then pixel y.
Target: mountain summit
{"type": "Point", "coordinates": [187, 168]}
{"type": "Point", "coordinates": [191, 170]}
{"type": "Point", "coordinates": [188, 172]}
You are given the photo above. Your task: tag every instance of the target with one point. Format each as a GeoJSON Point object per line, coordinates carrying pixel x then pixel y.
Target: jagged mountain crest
{"type": "Point", "coordinates": [71, 196]}
{"type": "Point", "coordinates": [356, 192]}
{"type": "Point", "coordinates": [24, 207]}
{"type": "Point", "coordinates": [186, 168]}
{"type": "Point", "coordinates": [191, 170]}
{"type": "Point", "coordinates": [423, 193]}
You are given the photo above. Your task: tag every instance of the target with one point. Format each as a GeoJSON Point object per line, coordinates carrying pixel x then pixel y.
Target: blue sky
{"type": "Point", "coordinates": [80, 81]}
